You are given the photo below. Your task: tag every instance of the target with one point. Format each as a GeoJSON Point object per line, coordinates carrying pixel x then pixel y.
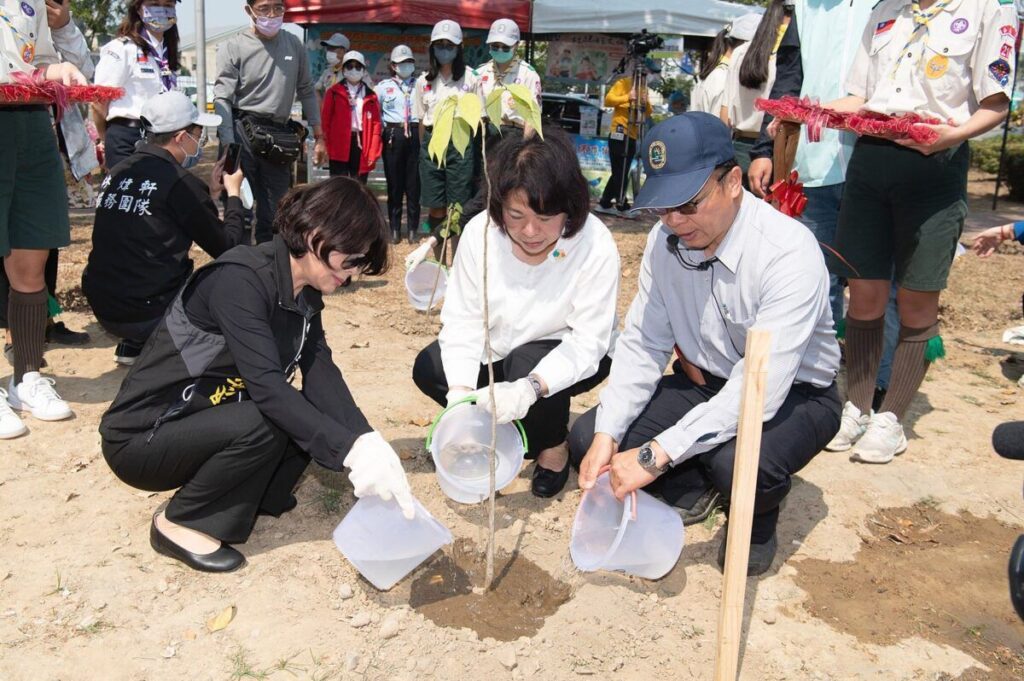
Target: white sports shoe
{"type": "Point", "coordinates": [10, 424]}
{"type": "Point", "coordinates": [883, 440]}
{"type": "Point", "coordinates": [35, 393]}
{"type": "Point", "coordinates": [851, 428]}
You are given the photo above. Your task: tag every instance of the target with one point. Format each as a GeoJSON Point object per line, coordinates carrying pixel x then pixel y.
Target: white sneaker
{"type": "Point", "coordinates": [883, 440]}
{"type": "Point", "coordinates": [10, 424]}
{"type": "Point", "coordinates": [36, 394]}
{"type": "Point", "coordinates": [851, 428]}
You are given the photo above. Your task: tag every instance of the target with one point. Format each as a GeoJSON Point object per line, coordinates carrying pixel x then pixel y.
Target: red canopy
{"type": "Point", "coordinates": [469, 13]}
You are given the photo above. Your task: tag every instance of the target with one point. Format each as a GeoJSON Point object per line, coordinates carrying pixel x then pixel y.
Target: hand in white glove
{"type": "Point", "coordinates": [420, 254]}
{"type": "Point", "coordinates": [511, 400]}
{"type": "Point", "coordinates": [377, 471]}
{"type": "Point", "coordinates": [455, 395]}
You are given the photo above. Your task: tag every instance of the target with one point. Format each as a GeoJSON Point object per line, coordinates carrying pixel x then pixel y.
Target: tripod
{"type": "Point", "coordinates": [636, 120]}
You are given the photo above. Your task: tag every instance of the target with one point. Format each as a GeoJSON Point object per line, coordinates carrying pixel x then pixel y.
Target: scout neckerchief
{"type": "Point", "coordinates": [159, 51]}
{"type": "Point", "coordinates": [27, 45]}
{"type": "Point", "coordinates": [921, 20]}
{"type": "Point", "coordinates": [779, 33]}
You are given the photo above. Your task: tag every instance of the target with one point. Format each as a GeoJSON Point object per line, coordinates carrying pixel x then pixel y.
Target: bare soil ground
{"type": "Point", "coordinates": [894, 572]}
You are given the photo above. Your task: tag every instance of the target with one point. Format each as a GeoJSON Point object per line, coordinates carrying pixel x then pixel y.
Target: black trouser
{"type": "Point", "coordinates": [547, 422]}
{"type": "Point", "coordinates": [119, 142]}
{"type": "Point", "coordinates": [269, 182]}
{"type": "Point", "coordinates": [621, 153]}
{"type": "Point", "coordinates": [350, 168]}
{"type": "Point", "coordinates": [228, 462]}
{"type": "Point", "coordinates": [402, 170]}
{"type": "Point", "coordinates": [803, 425]}
{"type": "Point", "coordinates": [49, 278]}
{"type": "Point", "coordinates": [133, 333]}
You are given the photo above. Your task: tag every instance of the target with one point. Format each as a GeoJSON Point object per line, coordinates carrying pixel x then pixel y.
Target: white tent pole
{"type": "Point", "coordinates": [201, 55]}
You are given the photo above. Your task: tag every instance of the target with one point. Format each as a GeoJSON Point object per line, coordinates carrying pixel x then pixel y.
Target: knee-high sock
{"type": "Point", "coordinates": [909, 365]}
{"type": "Point", "coordinates": [864, 339]}
{"type": "Point", "coordinates": [26, 314]}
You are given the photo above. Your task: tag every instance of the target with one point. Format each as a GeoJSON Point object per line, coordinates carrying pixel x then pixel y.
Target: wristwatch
{"type": "Point", "coordinates": [648, 461]}
{"type": "Point", "coordinates": [535, 384]}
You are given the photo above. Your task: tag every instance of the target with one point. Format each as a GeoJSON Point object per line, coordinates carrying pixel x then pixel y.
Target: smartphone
{"type": "Point", "coordinates": [231, 158]}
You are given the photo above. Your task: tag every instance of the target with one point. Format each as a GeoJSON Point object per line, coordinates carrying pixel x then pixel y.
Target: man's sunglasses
{"type": "Point", "coordinates": [688, 208]}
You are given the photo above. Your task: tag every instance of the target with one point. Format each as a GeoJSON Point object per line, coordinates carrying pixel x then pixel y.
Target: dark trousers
{"type": "Point", "coordinates": [350, 168]}
{"type": "Point", "coordinates": [805, 423]}
{"type": "Point", "coordinates": [402, 170]}
{"type": "Point", "coordinates": [133, 333]}
{"type": "Point", "coordinates": [621, 153]}
{"type": "Point", "coordinates": [49, 278]}
{"type": "Point", "coordinates": [228, 463]}
{"type": "Point", "coordinates": [547, 422]}
{"type": "Point", "coordinates": [269, 183]}
{"type": "Point", "coordinates": [119, 143]}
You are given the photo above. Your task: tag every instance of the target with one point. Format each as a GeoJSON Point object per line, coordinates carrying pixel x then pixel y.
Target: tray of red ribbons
{"type": "Point", "coordinates": [34, 89]}
{"type": "Point", "coordinates": [816, 117]}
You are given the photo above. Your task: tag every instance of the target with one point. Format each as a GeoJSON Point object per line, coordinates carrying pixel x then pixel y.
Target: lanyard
{"type": "Point", "coordinates": [159, 52]}
{"type": "Point", "coordinates": [921, 20]}
{"type": "Point", "coordinates": [28, 47]}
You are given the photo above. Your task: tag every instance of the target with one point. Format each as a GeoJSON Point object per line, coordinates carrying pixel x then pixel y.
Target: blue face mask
{"type": "Point", "coordinates": [192, 160]}
{"type": "Point", "coordinates": [445, 55]}
{"type": "Point", "coordinates": [405, 70]}
{"type": "Point", "coordinates": [159, 19]}
{"type": "Point", "coordinates": [502, 56]}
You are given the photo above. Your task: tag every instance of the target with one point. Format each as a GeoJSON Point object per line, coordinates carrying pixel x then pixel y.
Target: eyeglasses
{"type": "Point", "coordinates": [690, 207]}
{"type": "Point", "coordinates": [269, 10]}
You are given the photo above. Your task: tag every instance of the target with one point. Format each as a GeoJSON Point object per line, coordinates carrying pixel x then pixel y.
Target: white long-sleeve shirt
{"type": "Point", "coordinates": [569, 297]}
{"type": "Point", "coordinates": [769, 274]}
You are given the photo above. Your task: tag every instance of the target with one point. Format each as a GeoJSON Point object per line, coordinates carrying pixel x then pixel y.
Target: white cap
{"type": "Point", "coordinates": [401, 53]}
{"type": "Point", "coordinates": [447, 30]}
{"type": "Point", "coordinates": [744, 27]}
{"type": "Point", "coordinates": [352, 55]}
{"type": "Point", "coordinates": [503, 31]}
{"type": "Point", "coordinates": [172, 111]}
{"type": "Point", "coordinates": [337, 41]}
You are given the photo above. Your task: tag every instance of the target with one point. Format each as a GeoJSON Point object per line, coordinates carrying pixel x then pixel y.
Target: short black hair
{"type": "Point", "coordinates": [339, 214]}
{"type": "Point", "coordinates": [546, 170]}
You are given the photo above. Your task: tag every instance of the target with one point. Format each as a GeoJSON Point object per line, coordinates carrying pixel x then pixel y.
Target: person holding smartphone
{"type": "Point", "coordinates": [149, 214]}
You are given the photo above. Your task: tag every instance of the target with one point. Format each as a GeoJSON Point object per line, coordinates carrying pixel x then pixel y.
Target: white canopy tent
{"type": "Point", "coordinates": [667, 17]}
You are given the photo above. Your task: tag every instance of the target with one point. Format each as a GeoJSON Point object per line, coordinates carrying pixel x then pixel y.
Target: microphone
{"type": "Point", "coordinates": [672, 243]}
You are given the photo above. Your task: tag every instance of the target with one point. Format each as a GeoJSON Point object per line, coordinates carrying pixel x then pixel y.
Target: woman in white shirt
{"type": "Point", "coordinates": [143, 60]}
{"type": "Point", "coordinates": [553, 273]}
{"type": "Point", "coordinates": [709, 93]}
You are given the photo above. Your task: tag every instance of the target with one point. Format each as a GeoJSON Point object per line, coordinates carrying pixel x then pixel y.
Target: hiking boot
{"type": "Point", "coordinates": [883, 440]}
{"type": "Point", "coordinates": [705, 505]}
{"type": "Point", "coordinates": [11, 425]}
{"type": "Point", "coordinates": [58, 332]}
{"type": "Point", "coordinates": [761, 555]}
{"type": "Point", "coordinates": [126, 353]}
{"type": "Point", "coordinates": [36, 394]}
{"type": "Point", "coordinates": [851, 428]}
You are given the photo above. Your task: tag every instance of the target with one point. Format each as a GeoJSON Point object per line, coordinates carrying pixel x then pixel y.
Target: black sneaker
{"type": "Point", "coordinates": [761, 555]}
{"type": "Point", "coordinates": [705, 505]}
{"type": "Point", "coordinates": [57, 332]}
{"type": "Point", "coordinates": [126, 353]}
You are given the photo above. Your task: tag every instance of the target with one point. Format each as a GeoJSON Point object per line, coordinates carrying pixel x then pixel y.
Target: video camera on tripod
{"type": "Point", "coordinates": [640, 44]}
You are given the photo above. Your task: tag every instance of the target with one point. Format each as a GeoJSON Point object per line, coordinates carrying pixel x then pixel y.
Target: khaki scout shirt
{"type": "Point", "coordinates": [25, 40]}
{"type": "Point", "coordinates": [426, 95]}
{"type": "Point", "coordinates": [517, 73]}
{"type": "Point", "coordinates": [965, 55]}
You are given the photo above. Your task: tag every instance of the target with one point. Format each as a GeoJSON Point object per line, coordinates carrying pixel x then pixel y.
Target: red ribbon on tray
{"type": "Point", "coordinates": [788, 196]}
{"type": "Point", "coordinates": [35, 89]}
{"type": "Point", "coordinates": [815, 117]}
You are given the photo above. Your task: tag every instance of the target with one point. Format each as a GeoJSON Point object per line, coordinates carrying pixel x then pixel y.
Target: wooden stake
{"type": "Point", "coordinates": [741, 504]}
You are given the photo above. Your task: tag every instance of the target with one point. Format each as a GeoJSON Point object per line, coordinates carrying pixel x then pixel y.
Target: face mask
{"type": "Point", "coordinates": [501, 56]}
{"type": "Point", "coordinates": [159, 19]}
{"type": "Point", "coordinates": [192, 160]}
{"type": "Point", "coordinates": [333, 58]}
{"type": "Point", "coordinates": [405, 70]}
{"type": "Point", "coordinates": [445, 55]}
{"type": "Point", "coordinates": [269, 26]}
{"type": "Point", "coordinates": [354, 75]}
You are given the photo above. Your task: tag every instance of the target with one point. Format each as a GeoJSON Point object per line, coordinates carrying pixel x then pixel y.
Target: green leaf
{"type": "Point", "coordinates": [493, 106]}
{"type": "Point", "coordinates": [441, 136]}
{"type": "Point", "coordinates": [522, 95]}
{"type": "Point", "coordinates": [461, 135]}
{"type": "Point", "coordinates": [470, 111]}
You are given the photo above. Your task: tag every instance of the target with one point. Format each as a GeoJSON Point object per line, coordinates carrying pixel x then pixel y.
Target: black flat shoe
{"type": "Point", "coordinates": [702, 508]}
{"type": "Point", "coordinates": [224, 559]}
{"type": "Point", "coordinates": [761, 555]}
{"type": "Point", "coordinates": [288, 506]}
{"type": "Point", "coordinates": [547, 483]}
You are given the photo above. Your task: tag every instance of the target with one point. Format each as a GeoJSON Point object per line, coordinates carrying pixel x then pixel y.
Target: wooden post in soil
{"type": "Point", "coordinates": [741, 504]}
{"type": "Point", "coordinates": [492, 456]}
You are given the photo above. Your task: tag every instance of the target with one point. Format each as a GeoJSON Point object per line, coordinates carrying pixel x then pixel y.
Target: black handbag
{"type": "Point", "coordinates": [281, 144]}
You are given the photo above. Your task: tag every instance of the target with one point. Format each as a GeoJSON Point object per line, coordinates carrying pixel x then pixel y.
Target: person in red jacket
{"type": "Point", "coordinates": [351, 121]}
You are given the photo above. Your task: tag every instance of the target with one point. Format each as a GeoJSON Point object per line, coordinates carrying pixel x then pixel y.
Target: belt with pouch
{"type": "Point", "coordinates": [745, 136]}
{"type": "Point", "coordinates": [126, 122]}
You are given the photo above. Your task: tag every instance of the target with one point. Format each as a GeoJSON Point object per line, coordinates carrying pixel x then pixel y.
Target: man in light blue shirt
{"type": "Point", "coordinates": [401, 142]}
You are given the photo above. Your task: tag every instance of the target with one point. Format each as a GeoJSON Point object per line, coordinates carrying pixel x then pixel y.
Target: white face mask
{"type": "Point", "coordinates": [405, 70]}
{"type": "Point", "coordinates": [333, 58]}
{"type": "Point", "coordinates": [354, 75]}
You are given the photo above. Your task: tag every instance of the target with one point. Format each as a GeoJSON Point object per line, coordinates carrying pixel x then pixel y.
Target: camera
{"type": "Point", "coordinates": [643, 42]}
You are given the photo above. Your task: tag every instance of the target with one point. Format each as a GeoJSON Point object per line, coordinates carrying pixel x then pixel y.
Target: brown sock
{"type": "Point", "coordinates": [908, 368]}
{"type": "Point", "coordinates": [864, 340]}
{"type": "Point", "coordinates": [26, 314]}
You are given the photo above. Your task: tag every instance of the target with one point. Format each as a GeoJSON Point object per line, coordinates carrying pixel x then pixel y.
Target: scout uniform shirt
{"type": "Point", "coordinates": [25, 41]}
{"type": "Point", "coordinates": [518, 73]}
{"type": "Point", "coordinates": [329, 77]}
{"type": "Point", "coordinates": [710, 92]}
{"type": "Point", "coordinates": [396, 99]}
{"type": "Point", "coordinates": [126, 65]}
{"type": "Point", "coordinates": [426, 95]}
{"type": "Point", "coordinates": [954, 55]}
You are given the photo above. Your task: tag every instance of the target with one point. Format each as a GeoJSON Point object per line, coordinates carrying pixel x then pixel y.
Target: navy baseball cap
{"type": "Point", "coordinates": [679, 155]}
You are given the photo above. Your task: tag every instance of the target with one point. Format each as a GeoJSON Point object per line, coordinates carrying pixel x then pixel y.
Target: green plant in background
{"type": "Point", "coordinates": [985, 157]}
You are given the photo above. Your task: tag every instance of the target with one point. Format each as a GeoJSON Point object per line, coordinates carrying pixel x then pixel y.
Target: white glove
{"type": "Point", "coordinates": [454, 395]}
{"type": "Point", "coordinates": [377, 471]}
{"type": "Point", "coordinates": [420, 254]}
{"type": "Point", "coordinates": [511, 400]}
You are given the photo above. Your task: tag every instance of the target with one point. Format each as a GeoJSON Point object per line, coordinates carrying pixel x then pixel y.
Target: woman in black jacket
{"type": "Point", "coordinates": [209, 407]}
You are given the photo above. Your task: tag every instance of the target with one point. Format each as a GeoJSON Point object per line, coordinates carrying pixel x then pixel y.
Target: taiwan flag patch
{"type": "Point", "coordinates": [884, 27]}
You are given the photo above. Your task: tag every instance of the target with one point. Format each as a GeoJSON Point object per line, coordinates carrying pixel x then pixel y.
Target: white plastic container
{"type": "Point", "coordinates": [419, 283]}
{"type": "Point", "coordinates": [459, 442]}
{"type": "Point", "coordinates": [607, 536]}
{"type": "Point", "coordinates": [385, 546]}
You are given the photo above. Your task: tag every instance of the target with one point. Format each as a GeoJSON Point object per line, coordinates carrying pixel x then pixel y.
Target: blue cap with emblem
{"type": "Point", "coordinates": [679, 155]}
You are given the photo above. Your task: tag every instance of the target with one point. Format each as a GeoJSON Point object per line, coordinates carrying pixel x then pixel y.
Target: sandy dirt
{"type": "Point", "coordinates": [82, 595]}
